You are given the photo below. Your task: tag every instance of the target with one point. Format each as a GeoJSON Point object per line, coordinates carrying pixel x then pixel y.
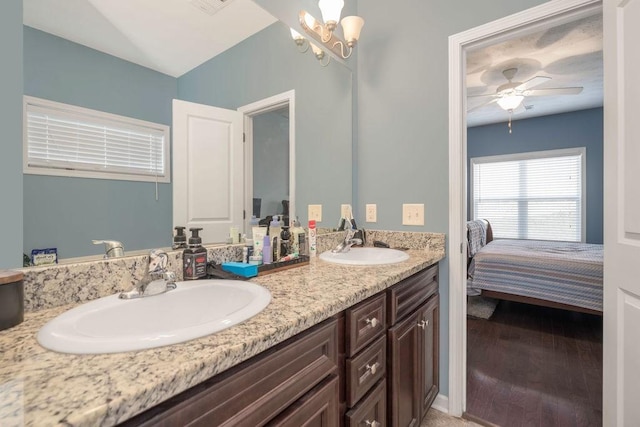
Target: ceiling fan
{"type": "Point", "coordinates": [510, 96]}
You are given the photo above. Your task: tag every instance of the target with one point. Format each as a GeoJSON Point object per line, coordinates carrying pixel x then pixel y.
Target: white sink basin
{"type": "Point", "coordinates": [366, 256]}
{"type": "Point", "coordinates": [192, 310]}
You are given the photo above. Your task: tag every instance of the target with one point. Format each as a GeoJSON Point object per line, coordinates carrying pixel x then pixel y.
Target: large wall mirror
{"type": "Point", "coordinates": [67, 213]}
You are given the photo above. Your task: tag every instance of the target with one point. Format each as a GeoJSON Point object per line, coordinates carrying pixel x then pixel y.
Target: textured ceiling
{"type": "Point", "coordinates": [571, 54]}
{"type": "Point", "coordinates": [169, 36]}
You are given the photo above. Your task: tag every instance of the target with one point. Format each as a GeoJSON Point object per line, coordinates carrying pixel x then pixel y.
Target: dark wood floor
{"type": "Point", "coordinates": [535, 366]}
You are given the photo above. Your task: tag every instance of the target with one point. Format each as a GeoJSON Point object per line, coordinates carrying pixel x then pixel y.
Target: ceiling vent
{"type": "Point", "coordinates": [210, 7]}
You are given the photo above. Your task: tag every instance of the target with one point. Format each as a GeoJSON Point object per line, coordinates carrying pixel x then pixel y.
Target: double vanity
{"type": "Point", "coordinates": [337, 343]}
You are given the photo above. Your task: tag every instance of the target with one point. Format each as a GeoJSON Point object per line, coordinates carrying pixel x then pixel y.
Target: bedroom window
{"type": "Point", "coordinates": [537, 195]}
{"type": "Point", "coordinates": [66, 140]}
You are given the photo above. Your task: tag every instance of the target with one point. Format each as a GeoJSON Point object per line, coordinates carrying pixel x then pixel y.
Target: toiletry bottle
{"type": "Point", "coordinates": [267, 254]}
{"type": "Point", "coordinates": [298, 237]}
{"type": "Point", "coordinates": [194, 257]}
{"type": "Point", "coordinates": [179, 240]}
{"type": "Point", "coordinates": [285, 242]}
{"type": "Point", "coordinates": [234, 235]}
{"type": "Point", "coordinates": [312, 238]}
{"type": "Point", "coordinates": [274, 233]}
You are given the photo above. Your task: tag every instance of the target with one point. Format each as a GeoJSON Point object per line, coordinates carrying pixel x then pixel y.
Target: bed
{"type": "Point", "coordinates": [563, 275]}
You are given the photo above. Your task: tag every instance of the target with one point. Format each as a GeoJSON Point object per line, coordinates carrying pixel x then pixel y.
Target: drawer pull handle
{"type": "Point", "coordinates": [373, 423]}
{"type": "Point", "coordinates": [423, 324]}
{"type": "Point", "coordinates": [372, 368]}
{"type": "Point", "coordinates": [372, 322]}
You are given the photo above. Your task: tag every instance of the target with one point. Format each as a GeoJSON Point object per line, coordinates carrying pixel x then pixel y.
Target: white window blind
{"type": "Point", "coordinates": [536, 195]}
{"type": "Point", "coordinates": [66, 140]}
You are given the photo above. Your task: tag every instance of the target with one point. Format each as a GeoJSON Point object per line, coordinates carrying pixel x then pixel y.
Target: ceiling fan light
{"type": "Point", "coordinates": [510, 102]}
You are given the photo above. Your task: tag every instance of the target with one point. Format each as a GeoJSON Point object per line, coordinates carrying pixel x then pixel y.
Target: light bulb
{"type": "Point", "coordinates": [331, 10]}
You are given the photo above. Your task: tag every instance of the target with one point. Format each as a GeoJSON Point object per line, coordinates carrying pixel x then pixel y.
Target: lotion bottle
{"type": "Point", "coordinates": [313, 250]}
{"type": "Point", "coordinates": [274, 233]}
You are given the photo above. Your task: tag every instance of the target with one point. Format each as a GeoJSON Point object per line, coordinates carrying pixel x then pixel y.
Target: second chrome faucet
{"type": "Point", "coordinates": [157, 279]}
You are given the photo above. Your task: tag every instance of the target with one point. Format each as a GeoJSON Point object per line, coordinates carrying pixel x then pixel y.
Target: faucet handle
{"type": "Point", "coordinates": [158, 260]}
{"type": "Point", "coordinates": [112, 248]}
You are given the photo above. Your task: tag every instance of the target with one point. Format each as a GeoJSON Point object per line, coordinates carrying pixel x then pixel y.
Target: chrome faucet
{"type": "Point", "coordinates": [348, 241]}
{"type": "Point", "coordinates": [157, 280]}
{"type": "Point", "coordinates": [112, 248]}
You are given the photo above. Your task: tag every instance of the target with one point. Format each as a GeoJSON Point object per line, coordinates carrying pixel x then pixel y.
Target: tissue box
{"type": "Point", "coordinates": [241, 269]}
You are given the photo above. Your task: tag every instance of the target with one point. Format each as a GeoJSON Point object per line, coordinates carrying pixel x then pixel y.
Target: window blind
{"type": "Point", "coordinates": [532, 196]}
{"type": "Point", "coordinates": [78, 139]}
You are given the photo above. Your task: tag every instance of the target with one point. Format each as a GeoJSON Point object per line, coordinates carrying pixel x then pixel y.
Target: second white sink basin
{"type": "Point", "coordinates": [192, 310]}
{"type": "Point", "coordinates": [365, 256]}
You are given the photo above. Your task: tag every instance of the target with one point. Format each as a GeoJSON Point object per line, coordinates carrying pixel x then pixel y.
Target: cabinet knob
{"type": "Point", "coordinates": [372, 322]}
{"type": "Point", "coordinates": [423, 324]}
{"type": "Point", "coordinates": [373, 423]}
{"type": "Point", "coordinates": [372, 368]}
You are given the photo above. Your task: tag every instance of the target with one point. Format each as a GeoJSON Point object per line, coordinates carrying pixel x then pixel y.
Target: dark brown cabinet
{"type": "Point", "coordinates": [283, 381]}
{"type": "Point", "coordinates": [413, 343]}
{"type": "Point", "coordinates": [375, 364]}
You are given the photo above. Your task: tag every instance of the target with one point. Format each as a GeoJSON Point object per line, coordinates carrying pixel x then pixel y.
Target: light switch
{"type": "Point", "coordinates": [371, 212]}
{"type": "Point", "coordinates": [315, 212]}
{"type": "Point", "coordinates": [412, 214]}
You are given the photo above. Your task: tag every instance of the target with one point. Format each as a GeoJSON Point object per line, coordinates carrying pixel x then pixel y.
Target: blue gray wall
{"type": "Point", "coordinates": [568, 130]}
{"type": "Point", "coordinates": [271, 161]}
{"type": "Point", "coordinates": [68, 212]}
{"type": "Point", "coordinates": [11, 136]}
{"type": "Point", "coordinates": [267, 64]}
{"type": "Point", "coordinates": [403, 114]}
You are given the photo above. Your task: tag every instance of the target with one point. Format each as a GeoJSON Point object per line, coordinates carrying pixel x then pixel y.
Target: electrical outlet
{"type": "Point", "coordinates": [315, 212]}
{"type": "Point", "coordinates": [371, 213]}
{"type": "Point", "coordinates": [413, 214]}
{"type": "Point", "coordinates": [345, 211]}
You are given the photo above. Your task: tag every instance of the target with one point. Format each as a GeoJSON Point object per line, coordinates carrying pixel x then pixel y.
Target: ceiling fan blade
{"type": "Point", "coordinates": [531, 83]}
{"type": "Point", "coordinates": [486, 95]}
{"type": "Point", "coordinates": [482, 104]}
{"type": "Point", "coordinates": [520, 109]}
{"type": "Point", "coordinates": [554, 91]}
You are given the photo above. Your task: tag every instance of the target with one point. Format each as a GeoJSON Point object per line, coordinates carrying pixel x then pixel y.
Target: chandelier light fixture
{"type": "Point", "coordinates": [324, 34]}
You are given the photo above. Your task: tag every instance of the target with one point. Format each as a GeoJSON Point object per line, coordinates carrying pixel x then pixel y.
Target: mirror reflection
{"type": "Point", "coordinates": [68, 213]}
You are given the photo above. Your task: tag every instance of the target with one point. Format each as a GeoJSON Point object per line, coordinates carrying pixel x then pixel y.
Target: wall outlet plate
{"type": "Point", "coordinates": [345, 211]}
{"type": "Point", "coordinates": [413, 214]}
{"type": "Point", "coordinates": [371, 212]}
{"type": "Point", "coordinates": [315, 212]}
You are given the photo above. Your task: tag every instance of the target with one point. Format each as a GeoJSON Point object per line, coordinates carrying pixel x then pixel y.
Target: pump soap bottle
{"type": "Point", "coordinates": [179, 240]}
{"type": "Point", "coordinates": [194, 257]}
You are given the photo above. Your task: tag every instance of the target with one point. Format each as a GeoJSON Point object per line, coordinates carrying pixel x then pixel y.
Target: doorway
{"type": "Point", "coordinates": [269, 153]}
{"type": "Point", "coordinates": [552, 13]}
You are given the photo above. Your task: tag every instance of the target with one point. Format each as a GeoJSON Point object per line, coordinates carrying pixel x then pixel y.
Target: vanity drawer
{"type": "Point", "coordinates": [372, 411]}
{"type": "Point", "coordinates": [409, 294]}
{"type": "Point", "coordinates": [255, 391]}
{"type": "Point", "coordinates": [364, 370]}
{"type": "Point", "coordinates": [365, 322]}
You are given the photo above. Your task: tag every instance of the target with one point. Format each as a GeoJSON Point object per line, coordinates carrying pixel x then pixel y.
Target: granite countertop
{"type": "Point", "coordinates": [43, 388]}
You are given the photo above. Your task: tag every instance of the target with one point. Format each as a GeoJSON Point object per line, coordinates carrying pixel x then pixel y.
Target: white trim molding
{"type": "Point", "coordinates": [441, 403]}
{"type": "Point", "coordinates": [554, 12]}
{"type": "Point", "coordinates": [251, 110]}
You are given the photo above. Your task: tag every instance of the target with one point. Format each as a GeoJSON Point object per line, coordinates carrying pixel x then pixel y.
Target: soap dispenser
{"type": "Point", "coordinates": [194, 257]}
{"type": "Point", "coordinates": [180, 239]}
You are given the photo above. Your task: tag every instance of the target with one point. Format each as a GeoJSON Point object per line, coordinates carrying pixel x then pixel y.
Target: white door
{"type": "Point", "coordinates": [207, 169]}
{"type": "Point", "coordinates": [621, 403]}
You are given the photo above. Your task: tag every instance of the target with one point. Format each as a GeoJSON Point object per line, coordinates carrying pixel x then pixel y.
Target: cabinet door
{"type": "Point", "coordinates": [429, 329]}
{"type": "Point", "coordinates": [404, 372]}
{"type": "Point", "coordinates": [318, 408]}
